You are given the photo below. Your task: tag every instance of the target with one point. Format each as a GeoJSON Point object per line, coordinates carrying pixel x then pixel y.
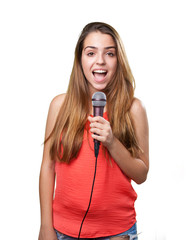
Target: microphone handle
{"type": "Point", "coordinates": [97, 111]}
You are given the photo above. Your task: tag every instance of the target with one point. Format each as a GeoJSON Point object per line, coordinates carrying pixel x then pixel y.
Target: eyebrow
{"type": "Point", "coordinates": [97, 48]}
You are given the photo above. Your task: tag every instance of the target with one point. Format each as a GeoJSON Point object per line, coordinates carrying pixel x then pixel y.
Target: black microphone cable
{"type": "Point", "coordinates": [98, 103]}
{"type": "Point", "coordinates": [96, 155]}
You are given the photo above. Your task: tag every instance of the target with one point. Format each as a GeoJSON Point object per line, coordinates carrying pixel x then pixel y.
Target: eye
{"type": "Point", "coordinates": [90, 54]}
{"type": "Point", "coordinates": [111, 54]}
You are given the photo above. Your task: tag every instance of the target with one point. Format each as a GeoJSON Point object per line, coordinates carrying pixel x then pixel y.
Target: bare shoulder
{"type": "Point", "coordinates": [137, 108]}
{"type": "Point", "coordinates": [56, 104]}
{"type": "Point", "coordinates": [139, 117]}
{"type": "Point", "coordinates": [57, 101]}
{"type": "Point", "coordinates": [54, 109]}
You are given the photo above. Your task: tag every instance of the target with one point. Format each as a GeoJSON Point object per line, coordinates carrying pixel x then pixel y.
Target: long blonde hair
{"type": "Point", "coordinates": [69, 127]}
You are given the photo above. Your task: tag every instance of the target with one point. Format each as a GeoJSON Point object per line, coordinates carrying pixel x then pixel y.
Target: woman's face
{"type": "Point", "coordinates": [99, 60]}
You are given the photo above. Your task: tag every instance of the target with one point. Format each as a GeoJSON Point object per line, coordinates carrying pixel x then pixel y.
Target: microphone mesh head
{"type": "Point", "coordinates": [99, 99]}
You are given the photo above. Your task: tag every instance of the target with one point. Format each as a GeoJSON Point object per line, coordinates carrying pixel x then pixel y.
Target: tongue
{"type": "Point", "coordinates": [99, 76]}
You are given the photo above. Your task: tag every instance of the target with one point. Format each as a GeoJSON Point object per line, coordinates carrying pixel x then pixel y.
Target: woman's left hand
{"type": "Point", "coordinates": [101, 130]}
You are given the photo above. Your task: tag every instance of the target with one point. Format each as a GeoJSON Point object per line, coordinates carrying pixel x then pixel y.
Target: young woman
{"type": "Point", "coordinates": [100, 65]}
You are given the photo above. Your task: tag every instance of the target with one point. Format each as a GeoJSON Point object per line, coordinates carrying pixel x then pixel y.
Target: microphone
{"type": "Point", "coordinates": [98, 102]}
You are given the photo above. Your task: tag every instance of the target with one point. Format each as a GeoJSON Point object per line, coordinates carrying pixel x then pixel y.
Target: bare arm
{"type": "Point", "coordinates": [47, 176]}
{"type": "Point", "coordinates": [134, 168]}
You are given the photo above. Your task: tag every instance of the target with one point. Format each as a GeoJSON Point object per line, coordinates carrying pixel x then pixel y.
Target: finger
{"type": "Point", "coordinates": [90, 118]}
{"type": "Point", "coordinates": [98, 119]}
{"type": "Point", "coordinates": [96, 131]}
{"type": "Point", "coordinates": [97, 125]}
{"type": "Point", "coordinates": [99, 138]}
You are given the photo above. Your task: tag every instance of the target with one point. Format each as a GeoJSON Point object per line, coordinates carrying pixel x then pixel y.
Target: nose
{"type": "Point", "coordinates": [100, 59]}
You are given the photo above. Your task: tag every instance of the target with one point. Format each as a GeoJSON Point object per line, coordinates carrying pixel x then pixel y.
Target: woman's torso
{"type": "Point", "coordinates": [112, 207]}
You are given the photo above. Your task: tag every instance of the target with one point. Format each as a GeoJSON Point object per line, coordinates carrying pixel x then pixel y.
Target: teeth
{"type": "Point", "coordinates": [99, 71]}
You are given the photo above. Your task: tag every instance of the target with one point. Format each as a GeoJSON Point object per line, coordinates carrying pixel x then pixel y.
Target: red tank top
{"type": "Point", "coordinates": [112, 207]}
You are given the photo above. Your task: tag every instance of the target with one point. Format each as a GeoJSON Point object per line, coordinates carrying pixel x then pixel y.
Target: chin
{"type": "Point", "coordinates": [99, 87]}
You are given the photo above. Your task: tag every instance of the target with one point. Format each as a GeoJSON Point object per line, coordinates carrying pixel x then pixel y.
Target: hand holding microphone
{"type": "Point", "coordinates": [100, 127]}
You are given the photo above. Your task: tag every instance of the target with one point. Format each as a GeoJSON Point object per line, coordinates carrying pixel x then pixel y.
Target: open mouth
{"type": "Point", "coordinates": [99, 74]}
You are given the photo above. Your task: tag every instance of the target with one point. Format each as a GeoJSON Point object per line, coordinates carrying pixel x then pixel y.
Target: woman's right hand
{"type": "Point", "coordinates": [47, 233]}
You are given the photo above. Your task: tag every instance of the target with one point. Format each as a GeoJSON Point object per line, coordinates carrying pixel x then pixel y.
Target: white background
{"type": "Point", "coordinates": [36, 54]}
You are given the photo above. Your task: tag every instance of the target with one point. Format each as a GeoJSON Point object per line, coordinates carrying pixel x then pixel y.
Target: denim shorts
{"type": "Point", "coordinates": [132, 233]}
